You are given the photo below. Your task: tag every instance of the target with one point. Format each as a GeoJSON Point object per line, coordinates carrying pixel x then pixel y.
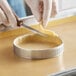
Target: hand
{"type": "Point", "coordinates": [6, 15]}
{"type": "Point", "coordinates": [42, 9]}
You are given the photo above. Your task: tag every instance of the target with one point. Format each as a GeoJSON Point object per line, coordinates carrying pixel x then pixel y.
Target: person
{"type": "Point", "coordinates": [41, 9]}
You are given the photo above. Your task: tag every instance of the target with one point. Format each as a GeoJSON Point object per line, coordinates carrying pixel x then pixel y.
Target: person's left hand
{"type": "Point", "coordinates": [42, 9]}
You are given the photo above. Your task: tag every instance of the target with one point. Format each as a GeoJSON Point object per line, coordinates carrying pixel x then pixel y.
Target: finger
{"type": "Point", "coordinates": [46, 11]}
{"type": "Point", "coordinates": [3, 18]}
{"type": "Point", "coordinates": [34, 6]}
{"type": "Point", "coordinates": [54, 9]}
{"type": "Point", "coordinates": [7, 10]}
{"type": "Point", "coordinates": [41, 8]}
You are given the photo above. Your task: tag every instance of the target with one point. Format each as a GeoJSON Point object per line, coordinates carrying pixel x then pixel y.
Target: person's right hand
{"type": "Point", "coordinates": [6, 15]}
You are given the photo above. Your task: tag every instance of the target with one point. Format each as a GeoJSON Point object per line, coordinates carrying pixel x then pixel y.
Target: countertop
{"type": "Point", "coordinates": [11, 65]}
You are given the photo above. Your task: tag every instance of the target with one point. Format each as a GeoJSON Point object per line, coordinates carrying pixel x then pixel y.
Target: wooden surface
{"type": "Point", "coordinates": [11, 65]}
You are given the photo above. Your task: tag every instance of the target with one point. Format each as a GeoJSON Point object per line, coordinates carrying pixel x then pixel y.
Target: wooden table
{"type": "Point", "coordinates": [11, 65]}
